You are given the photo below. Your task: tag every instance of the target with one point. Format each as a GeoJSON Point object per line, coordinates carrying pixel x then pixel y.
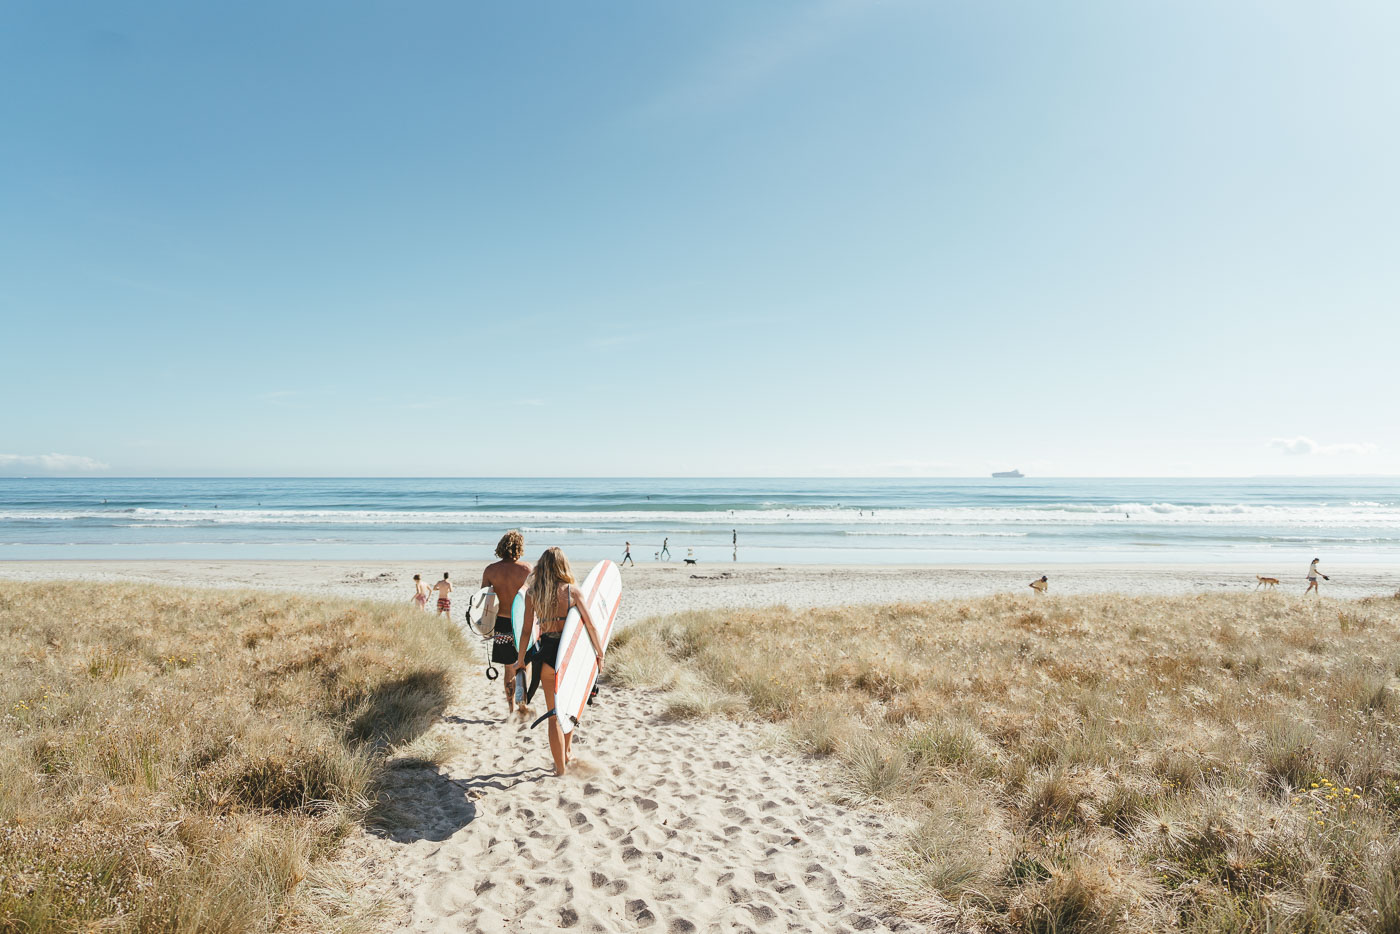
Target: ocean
{"type": "Point", "coordinates": [1272, 523]}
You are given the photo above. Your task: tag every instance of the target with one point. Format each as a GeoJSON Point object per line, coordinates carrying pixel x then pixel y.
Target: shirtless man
{"type": "Point", "coordinates": [506, 577]}
{"type": "Point", "coordinates": [444, 589]}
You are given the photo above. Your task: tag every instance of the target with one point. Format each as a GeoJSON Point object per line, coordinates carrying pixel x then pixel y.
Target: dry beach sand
{"type": "Point", "coordinates": [664, 826]}
{"type": "Point", "coordinates": [652, 589]}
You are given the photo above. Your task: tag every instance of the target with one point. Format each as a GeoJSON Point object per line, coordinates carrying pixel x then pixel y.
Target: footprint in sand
{"type": "Point", "coordinates": [639, 914]}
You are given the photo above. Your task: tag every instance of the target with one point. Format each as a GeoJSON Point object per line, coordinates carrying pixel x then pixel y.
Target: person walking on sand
{"type": "Point", "coordinates": [666, 549]}
{"type": "Point", "coordinates": [420, 592]}
{"type": "Point", "coordinates": [1313, 575]}
{"type": "Point", "coordinates": [550, 594]}
{"type": "Point", "coordinates": [626, 555]}
{"type": "Point", "coordinates": [444, 590]}
{"type": "Point", "coordinates": [506, 577]}
{"type": "Point", "coordinates": [736, 544]}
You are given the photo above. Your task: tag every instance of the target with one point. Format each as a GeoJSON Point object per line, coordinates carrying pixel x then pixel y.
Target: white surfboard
{"type": "Point", "coordinates": [577, 666]}
{"type": "Point", "coordinates": [481, 611]}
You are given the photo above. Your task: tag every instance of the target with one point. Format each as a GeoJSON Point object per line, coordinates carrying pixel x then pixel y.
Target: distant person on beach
{"type": "Point", "coordinates": [736, 544]}
{"type": "Point", "coordinates": [551, 593]}
{"type": "Point", "coordinates": [506, 577]}
{"type": "Point", "coordinates": [444, 589]}
{"type": "Point", "coordinates": [1313, 575]}
{"type": "Point", "coordinates": [626, 555]}
{"type": "Point", "coordinates": [420, 592]}
{"type": "Point", "coordinates": [666, 549]}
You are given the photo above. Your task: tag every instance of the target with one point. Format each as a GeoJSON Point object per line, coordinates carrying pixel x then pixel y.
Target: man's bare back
{"type": "Point", "coordinates": [506, 578]}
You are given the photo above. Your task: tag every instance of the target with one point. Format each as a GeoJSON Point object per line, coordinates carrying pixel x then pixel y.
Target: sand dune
{"type": "Point", "coordinates": [665, 826]}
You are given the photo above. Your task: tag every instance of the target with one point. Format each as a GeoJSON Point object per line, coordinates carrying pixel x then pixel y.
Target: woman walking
{"type": "Point", "coordinates": [1313, 575]}
{"type": "Point", "coordinates": [550, 594]}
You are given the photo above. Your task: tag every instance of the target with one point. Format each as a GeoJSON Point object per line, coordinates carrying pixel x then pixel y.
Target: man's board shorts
{"type": "Point", "coordinates": [444, 603]}
{"type": "Point", "coordinates": [503, 642]}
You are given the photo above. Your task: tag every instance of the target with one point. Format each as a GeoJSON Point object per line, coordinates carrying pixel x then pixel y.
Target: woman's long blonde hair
{"type": "Point", "coordinates": [543, 587]}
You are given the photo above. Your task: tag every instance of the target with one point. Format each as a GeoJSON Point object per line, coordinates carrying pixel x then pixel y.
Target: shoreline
{"type": "Point", "coordinates": [658, 589]}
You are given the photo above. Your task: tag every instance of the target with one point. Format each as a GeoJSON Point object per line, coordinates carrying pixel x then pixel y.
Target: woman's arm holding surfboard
{"type": "Point", "coordinates": [587, 619]}
{"type": "Point", "coordinates": [526, 629]}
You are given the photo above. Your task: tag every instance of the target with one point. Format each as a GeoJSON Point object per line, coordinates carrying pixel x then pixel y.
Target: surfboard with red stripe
{"type": "Point", "coordinates": [577, 667]}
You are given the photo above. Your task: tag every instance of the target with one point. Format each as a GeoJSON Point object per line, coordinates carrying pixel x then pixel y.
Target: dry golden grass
{"type": "Point", "coordinates": [1094, 764]}
{"type": "Point", "coordinates": [184, 761]}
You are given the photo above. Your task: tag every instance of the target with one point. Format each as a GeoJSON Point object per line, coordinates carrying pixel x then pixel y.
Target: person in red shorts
{"type": "Point", "coordinates": [444, 589]}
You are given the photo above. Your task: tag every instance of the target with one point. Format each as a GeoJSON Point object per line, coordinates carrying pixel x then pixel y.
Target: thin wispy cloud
{"type": "Point", "coordinates": [291, 397]}
{"type": "Point", "coordinates": [23, 464]}
{"type": "Point", "coordinates": [1304, 447]}
{"type": "Point", "coordinates": [908, 467]}
{"type": "Point", "coordinates": [614, 340]}
{"type": "Point", "coordinates": [420, 403]}
{"type": "Point", "coordinates": [739, 68]}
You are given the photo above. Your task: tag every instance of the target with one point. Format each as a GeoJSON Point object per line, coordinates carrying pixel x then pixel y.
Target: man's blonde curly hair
{"type": "Point", "coordinates": [511, 546]}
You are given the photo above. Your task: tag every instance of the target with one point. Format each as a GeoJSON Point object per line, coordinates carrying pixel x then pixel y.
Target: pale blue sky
{"type": "Point", "coordinates": [718, 238]}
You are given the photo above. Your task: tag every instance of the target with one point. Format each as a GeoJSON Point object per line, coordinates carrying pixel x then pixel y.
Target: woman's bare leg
{"type": "Point", "coordinates": [508, 676]}
{"type": "Point", "coordinates": [557, 748]}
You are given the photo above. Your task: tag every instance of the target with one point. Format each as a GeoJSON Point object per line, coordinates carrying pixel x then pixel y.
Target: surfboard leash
{"type": "Point", "coordinates": [549, 713]}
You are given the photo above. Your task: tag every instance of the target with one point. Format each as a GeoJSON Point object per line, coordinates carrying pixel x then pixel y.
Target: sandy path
{"type": "Point", "coordinates": [661, 826]}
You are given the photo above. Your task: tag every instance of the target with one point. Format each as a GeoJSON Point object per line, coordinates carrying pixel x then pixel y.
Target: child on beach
{"type": "Point", "coordinates": [444, 589]}
{"type": "Point", "coordinates": [551, 593]}
{"type": "Point", "coordinates": [1313, 574]}
{"type": "Point", "coordinates": [420, 592]}
{"type": "Point", "coordinates": [506, 577]}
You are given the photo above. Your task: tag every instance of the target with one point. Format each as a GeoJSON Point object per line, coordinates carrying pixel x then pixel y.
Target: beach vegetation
{"type": "Point", "coordinates": [183, 761]}
{"type": "Point", "coordinates": [1218, 762]}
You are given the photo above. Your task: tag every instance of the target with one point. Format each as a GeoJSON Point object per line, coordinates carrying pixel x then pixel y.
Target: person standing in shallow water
{"type": "Point", "coordinates": [551, 593]}
{"type": "Point", "coordinates": [1313, 575]}
{"type": "Point", "coordinates": [506, 577]}
{"type": "Point", "coordinates": [665, 553]}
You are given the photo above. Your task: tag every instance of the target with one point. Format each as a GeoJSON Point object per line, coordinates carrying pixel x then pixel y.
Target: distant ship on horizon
{"type": "Point", "coordinates": [1007, 475]}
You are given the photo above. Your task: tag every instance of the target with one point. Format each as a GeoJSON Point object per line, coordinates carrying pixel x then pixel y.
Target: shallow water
{"type": "Point", "coordinates": [800, 521]}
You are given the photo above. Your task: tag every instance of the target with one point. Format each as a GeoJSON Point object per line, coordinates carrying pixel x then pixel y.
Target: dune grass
{"type": "Point", "coordinates": [1090, 764]}
{"type": "Point", "coordinates": [184, 761]}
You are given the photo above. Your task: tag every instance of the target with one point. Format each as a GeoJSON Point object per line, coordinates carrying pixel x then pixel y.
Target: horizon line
{"type": "Point", "coordinates": [986, 476]}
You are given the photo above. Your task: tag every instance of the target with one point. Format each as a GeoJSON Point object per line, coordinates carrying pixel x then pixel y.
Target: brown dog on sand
{"type": "Point", "coordinates": [1041, 585]}
{"type": "Point", "coordinates": [1266, 582]}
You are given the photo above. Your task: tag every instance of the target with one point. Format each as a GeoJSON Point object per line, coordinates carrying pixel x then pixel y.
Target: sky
{"type": "Point", "coordinates": [904, 237]}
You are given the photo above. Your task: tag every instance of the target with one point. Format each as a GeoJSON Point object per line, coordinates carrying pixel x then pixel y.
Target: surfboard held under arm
{"type": "Point", "coordinates": [577, 665]}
